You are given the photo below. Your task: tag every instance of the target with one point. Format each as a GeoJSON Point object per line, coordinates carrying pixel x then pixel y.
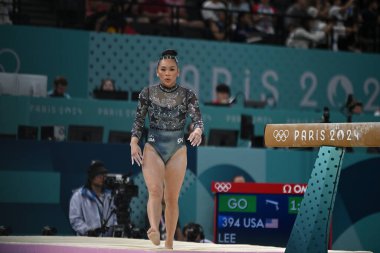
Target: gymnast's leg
{"type": "Point", "coordinates": [174, 175]}
{"type": "Point", "coordinates": [153, 169]}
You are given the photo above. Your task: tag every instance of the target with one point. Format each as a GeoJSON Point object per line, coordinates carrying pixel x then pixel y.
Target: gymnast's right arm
{"type": "Point", "coordinates": [138, 126]}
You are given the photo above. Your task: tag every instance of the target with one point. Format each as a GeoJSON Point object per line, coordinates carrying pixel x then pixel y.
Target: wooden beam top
{"type": "Point", "coordinates": [365, 134]}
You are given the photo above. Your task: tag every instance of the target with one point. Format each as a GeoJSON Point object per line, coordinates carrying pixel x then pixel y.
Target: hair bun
{"type": "Point", "coordinates": [170, 52]}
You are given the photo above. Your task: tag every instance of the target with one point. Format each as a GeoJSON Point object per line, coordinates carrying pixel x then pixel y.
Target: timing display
{"type": "Point", "coordinates": [240, 222]}
{"type": "Point", "coordinates": [237, 203]}
{"type": "Point", "coordinates": [294, 204]}
{"type": "Point", "coordinates": [263, 218]}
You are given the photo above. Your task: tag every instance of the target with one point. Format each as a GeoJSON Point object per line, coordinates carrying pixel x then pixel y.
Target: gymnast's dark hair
{"type": "Point", "coordinates": [168, 54]}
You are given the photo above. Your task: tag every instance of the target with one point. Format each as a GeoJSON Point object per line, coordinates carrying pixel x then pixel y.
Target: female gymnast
{"type": "Point", "coordinates": [164, 159]}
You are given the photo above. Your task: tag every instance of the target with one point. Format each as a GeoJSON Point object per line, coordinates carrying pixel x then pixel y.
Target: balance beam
{"type": "Point", "coordinates": [323, 134]}
{"type": "Point", "coordinates": [311, 229]}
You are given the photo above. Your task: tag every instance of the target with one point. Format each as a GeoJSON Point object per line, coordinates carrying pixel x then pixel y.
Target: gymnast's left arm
{"type": "Point", "coordinates": [194, 112]}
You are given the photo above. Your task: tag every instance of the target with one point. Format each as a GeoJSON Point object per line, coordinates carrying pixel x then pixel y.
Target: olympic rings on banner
{"type": "Point", "coordinates": [222, 187]}
{"type": "Point", "coordinates": [280, 135]}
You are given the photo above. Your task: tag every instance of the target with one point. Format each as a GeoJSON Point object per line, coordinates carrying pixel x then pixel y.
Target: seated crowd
{"type": "Point", "coordinates": [344, 25]}
{"type": "Point", "coordinates": [347, 25]}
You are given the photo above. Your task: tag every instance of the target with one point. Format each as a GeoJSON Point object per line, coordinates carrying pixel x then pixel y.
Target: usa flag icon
{"type": "Point", "coordinates": [271, 223]}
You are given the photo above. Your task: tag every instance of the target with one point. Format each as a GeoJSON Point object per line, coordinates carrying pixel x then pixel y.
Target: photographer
{"type": "Point", "coordinates": [193, 232]}
{"type": "Point", "coordinates": [92, 211]}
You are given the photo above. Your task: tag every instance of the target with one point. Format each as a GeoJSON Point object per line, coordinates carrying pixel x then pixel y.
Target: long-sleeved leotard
{"type": "Point", "coordinates": [167, 110]}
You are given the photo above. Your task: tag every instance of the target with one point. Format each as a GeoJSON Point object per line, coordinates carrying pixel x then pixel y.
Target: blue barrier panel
{"type": "Point", "coordinates": [119, 115]}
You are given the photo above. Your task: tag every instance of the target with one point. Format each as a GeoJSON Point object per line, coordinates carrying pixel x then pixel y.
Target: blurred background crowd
{"type": "Point", "coordinates": [344, 25]}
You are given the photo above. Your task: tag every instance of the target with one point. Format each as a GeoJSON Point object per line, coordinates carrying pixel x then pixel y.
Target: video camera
{"type": "Point", "coordinates": [121, 184]}
{"type": "Point", "coordinates": [123, 190]}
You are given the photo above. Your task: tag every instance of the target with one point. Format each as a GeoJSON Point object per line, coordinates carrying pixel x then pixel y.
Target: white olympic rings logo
{"type": "Point", "coordinates": [16, 57]}
{"type": "Point", "coordinates": [222, 187]}
{"type": "Point", "coordinates": [281, 135]}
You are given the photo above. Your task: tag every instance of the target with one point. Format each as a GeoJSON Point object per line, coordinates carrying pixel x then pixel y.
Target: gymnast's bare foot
{"type": "Point", "coordinates": [168, 245]}
{"type": "Point", "coordinates": [153, 236]}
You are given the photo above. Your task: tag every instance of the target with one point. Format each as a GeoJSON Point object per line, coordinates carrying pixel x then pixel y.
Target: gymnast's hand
{"type": "Point", "coordinates": [195, 137]}
{"type": "Point", "coordinates": [136, 154]}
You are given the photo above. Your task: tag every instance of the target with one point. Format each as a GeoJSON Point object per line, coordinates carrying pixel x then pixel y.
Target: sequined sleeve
{"type": "Point", "coordinates": [194, 112]}
{"type": "Point", "coordinates": [142, 109]}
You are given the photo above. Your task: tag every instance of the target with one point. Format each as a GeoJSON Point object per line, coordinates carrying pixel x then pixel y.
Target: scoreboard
{"type": "Point", "coordinates": [255, 213]}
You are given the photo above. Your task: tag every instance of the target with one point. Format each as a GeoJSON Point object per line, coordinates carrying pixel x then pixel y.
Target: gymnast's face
{"type": "Point", "coordinates": [167, 72]}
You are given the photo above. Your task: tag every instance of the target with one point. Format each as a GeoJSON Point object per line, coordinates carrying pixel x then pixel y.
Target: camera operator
{"type": "Point", "coordinates": [92, 210]}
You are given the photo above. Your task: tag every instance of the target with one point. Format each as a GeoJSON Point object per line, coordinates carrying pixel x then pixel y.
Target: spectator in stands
{"type": "Point", "coordinates": [241, 27]}
{"type": "Point", "coordinates": [95, 10]}
{"type": "Point", "coordinates": [193, 232]}
{"type": "Point", "coordinates": [194, 11]}
{"type": "Point", "coordinates": [210, 5]}
{"type": "Point", "coordinates": [370, 19]}
{"type": "Point", "coordinates": [263, 23]}
{"type": "Point", "coordinates": [263, 19]}
{"type": "Point", "coordinates": [6, 9]}
{"type": "Point", "coordinates": [175, 10]}
{"type": "Point", "coordinates": [322, 14]}
{"type": "Point", "coordinates": [311, 33]}
{"type": "Point", "coordinates": [238, 179]}
{"type": "Point", "coordinates": [343, 32]}
{"type": "Point", "coordinates": [60, 87]}
{"type": "Point", "coordinates": [223, 94]}
{"type": "Point", "coordinates": [178, 11]}
{"type": "Point", "coordinates": [92, 210]}
{"type": "Point", "coordinates": [118, 19]}
{"type": "Point", "coordinates": [215, 19]}
{"type": "Point", "coordinates": [108, 85]}
{"type": "Point", "coordinates": [341, 10]}
{"type": "Point", "coordinates": [298, 11]}
{"type": "Point", "coordinates": [281, 5]}
{"type": "Point", "coordinates": [108, 90]}
{"type": "Point", "coordinates": [237, 7]}
{"type": "Point", "coordinates": [154, 11]}
{"type": "Point", "coordinates": [244, 31]}
{"type": "Point", "coordinates": [319, 11]}
{"type": "Point", "coordinates": [323, 7]}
